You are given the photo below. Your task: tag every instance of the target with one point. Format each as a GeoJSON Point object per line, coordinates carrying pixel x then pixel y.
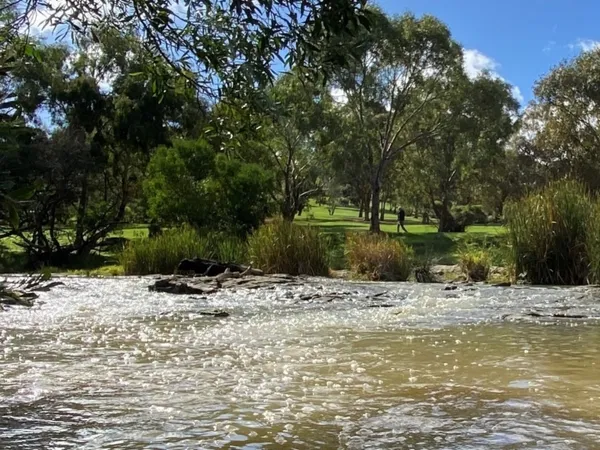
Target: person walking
{"type": "Point", "coordinates": [401, 217]}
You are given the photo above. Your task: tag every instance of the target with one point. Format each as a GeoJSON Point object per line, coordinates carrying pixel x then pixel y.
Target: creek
{"type": "Point", "coordinates": [104, 363]}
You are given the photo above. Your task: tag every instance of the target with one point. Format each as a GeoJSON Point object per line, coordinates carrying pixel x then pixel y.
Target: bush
{"type": "Point", "coordinates": [550, 236]}
{"type": "Point", "coordinates": [282, 247]}
{"type": "Point", "coordinates": [475, 264]}
{"type": "Point", "coordinates": [470, 215]}
{"type": "Point", "coordinates": [189, 182]}
{"type": "Point", "coordinates": [423, 269]}
{"type": "Point", "coordinates": [162, 254]}
{"type": "Point", "coordinates": [378, 258]}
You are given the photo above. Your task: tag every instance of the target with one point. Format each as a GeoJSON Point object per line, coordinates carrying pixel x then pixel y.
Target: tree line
{"type": "Point", "coordinates": [154, 113]}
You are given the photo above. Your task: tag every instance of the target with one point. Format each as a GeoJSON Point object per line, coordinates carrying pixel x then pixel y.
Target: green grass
{"type": "Point", "coordinates": [440, 248]}
{"type": "Point", "coordinates": [424, 239]}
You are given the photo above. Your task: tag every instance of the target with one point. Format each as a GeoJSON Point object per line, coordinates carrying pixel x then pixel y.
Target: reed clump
{"type": "Point", "coordinates": [282, 247]}
{"type": "Point", "coordinates": [554, 235]}
{"type": "Point", "coordinates": [378, 258]}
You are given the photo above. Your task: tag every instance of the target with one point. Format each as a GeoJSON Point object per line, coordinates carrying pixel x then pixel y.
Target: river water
{"type": "Point", "coordinates": [107, 364]}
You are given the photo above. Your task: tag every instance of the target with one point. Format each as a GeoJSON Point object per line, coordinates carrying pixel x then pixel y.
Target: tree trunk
{"type": "Point", "coordinates": [81, 211]}
{"type": "Point", "coordinates": [382, 215]}
{"type": "Point", "coordinates": [376, 188]}
{"type": "Point", "coordinates": [367, 203]}
{"type": "Point", "coordinates": [361, 209]}
{"type": "Point", "coordinates": [288, 213]}
{"type": "Point", "coordinates": [447, 222]}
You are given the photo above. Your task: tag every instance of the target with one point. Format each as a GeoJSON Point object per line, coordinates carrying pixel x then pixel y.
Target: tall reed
{"type": "Point", "coordinates": [548, 231]}
{"type": "Point", "coordinates": [162, 254]}
{"type": "Point", "coordinates": [593, 243]}
{"type": "Point", "coordinates": [282, 247]}
{"type": "Point", "coordinates": [378, 258]}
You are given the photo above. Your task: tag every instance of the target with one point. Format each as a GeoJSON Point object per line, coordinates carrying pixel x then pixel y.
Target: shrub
{"type": "Point", "coordinates": [475, 264]}
{"type": "Point", "coordinates": [378, 258]}
{"type": "Point", "coordinates": [162, 254]}
{"type": "Point", "coordinates": [282, 247]}
{"type": "Point", "coordinates": [548, 233]}
{"type": "Point", "coordinates": [423, 269]}
{"type": "Point", "coordinates": [470, 215]}
{"type": "Point", "coordinates": [189, 182]}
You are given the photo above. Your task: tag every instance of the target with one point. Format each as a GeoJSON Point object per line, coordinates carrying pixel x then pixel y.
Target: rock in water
{"type": "Point", "coordinates": [207, 267]}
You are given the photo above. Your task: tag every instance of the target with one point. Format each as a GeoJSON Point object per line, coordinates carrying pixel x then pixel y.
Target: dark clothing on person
{"type": "Point", "coordinates": [401, 217]}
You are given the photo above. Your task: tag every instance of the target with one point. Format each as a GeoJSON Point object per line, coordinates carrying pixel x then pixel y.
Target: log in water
{"type": "Point", "coordinates": [328, 364]}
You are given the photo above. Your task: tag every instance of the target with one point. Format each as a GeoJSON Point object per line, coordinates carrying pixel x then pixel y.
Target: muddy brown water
{"type": "Point", "coordinates": [105, 364]}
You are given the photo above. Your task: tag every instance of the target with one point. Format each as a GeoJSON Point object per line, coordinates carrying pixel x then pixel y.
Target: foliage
{"type": "Point", "coordinates": [475, 264]}
{"type": "Point", "coordinates": [562, 125]}
{"type": "Point", "coordinates": [283, 247]}
{"type": "Point", "coordinates": [548, 234]}
{"type": "Point", "coordinates": [423, 269]}
{"type": "Point", "coordinates": [221, 45]}
{"type": "Point", "coordinates": [402, 71]}
{"type": "Point", "coordinates": [162, 254]}
{"type": "Point", "coordinates": [378, 257]}
{"type": "Point", "coordinates": [189, 182]}
{"type": "Point", "coordinates": [593, 243]}
{"type": "Point", "coordinates": [469, 215]}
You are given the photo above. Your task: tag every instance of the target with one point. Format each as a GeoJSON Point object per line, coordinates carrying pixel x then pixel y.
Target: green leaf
{"type": "Point", "coordinates": [24, 193]}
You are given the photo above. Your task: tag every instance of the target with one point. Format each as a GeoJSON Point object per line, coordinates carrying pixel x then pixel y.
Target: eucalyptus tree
{"type": "Point", "coordinates": [296, 132]}
{"type": "Point", "coordinates": [478, 117]}
{"type": "Point", "coordinates": [398, 73]}
{"type": "Point", "coordinates": [561, 126]}
{"type": "Point", "coordinates": [107, 116]}
{"type": "Point", "coordinates": [221, 45]}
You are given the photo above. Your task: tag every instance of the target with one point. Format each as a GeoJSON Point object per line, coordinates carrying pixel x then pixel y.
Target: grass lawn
{"type": "Point", "coordinates": [425, 239]}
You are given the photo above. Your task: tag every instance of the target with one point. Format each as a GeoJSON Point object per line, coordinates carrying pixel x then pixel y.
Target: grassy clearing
{"type": "Point", "coordinates": [283, 247]}
{"type": "Point", "coordinates": [440, 248]}
{"type": "Point", "coordinates": [427, 244]}
{"type": "Point", "coordinates": [379, 258]}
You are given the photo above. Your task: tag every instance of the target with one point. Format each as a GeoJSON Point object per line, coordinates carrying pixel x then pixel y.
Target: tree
{"type": "Point", "coordinates": [108, 116]}
{"type": "Point", "coordinates": [561, 126]}
{"type": "Point", "coordinates": [191, 183]}
{"type": "Point", "coordinates": [478, 117]}
{"type": "Point", "coordinates": [403, 70]}
{"type": "Point", "coordinates": [227, 43]}
{"type": "Point", "coordinates": [295, 137]}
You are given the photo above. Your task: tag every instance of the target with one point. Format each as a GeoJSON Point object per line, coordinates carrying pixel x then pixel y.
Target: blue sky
{"type": "Point", "coordinates": [520, 40]}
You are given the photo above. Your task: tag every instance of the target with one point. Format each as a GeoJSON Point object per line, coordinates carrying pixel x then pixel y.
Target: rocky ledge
{"type": "Point", "coordinates": [202, 285]}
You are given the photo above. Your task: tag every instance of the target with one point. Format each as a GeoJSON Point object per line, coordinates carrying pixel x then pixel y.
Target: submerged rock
{"type": "Point", "coordinates": [210, 268]}
{"type": "Point", "coordinates": [215, 313]}
{"type": "Point", "coordinates": [209, 285]}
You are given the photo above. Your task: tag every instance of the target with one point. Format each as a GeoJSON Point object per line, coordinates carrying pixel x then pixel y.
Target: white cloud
{"type": "Point", "coordinates": [477, 63]}
{"type": "Point", "coordinates": [516, 92]}
{"type": "Point", "coordinates": [585, 45]}
{"type": "Point", "coordinates": [339, 96]}
{"type": "Point", "coordinates": [39, 17]}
